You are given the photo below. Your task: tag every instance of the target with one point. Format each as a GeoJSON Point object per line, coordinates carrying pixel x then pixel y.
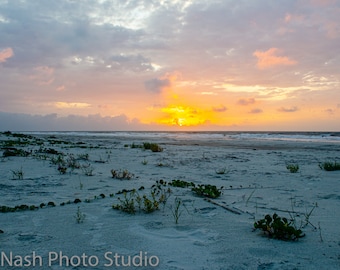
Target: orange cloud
{"type": "Point", "coordinates": [5, 54]}
{"type": "Point", "coordinates": [220, 108]}
{"type": "Point", "coordinates": [269, 58]}
{"type": "Point", "coordinates": [71, 105]}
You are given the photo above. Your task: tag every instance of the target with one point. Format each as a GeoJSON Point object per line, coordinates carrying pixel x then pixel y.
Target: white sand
{"type": "Point", "coordinates": [207, 236]}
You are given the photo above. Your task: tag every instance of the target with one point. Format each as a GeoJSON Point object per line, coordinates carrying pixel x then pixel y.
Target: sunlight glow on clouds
{"type": "Point", "coordinates": [5, 54]}
{"type": "Point", "coordinates": [270, 58]}
{"type": "Point", "coordinates": [73, 105]}
{"type": "Point", "coordinates": [182, 116]}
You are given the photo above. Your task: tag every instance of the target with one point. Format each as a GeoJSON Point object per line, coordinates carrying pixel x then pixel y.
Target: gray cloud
{"type": "Point", "coordinates": [157, 85]}
{"type": "Point", "coordinates": [255, 111]}
{"type": "Point", "coordinates": [246, 102]}
{"type": "Point", "coordinates": [52, 122]}
{"type": "Point", "coordinates": [288, 110]}
{"type": "Point", "coordinates": [220, 108]}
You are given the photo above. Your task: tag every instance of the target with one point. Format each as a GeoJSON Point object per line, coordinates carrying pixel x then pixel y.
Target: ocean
{"type": "Point", "coordinates": [321, 137]}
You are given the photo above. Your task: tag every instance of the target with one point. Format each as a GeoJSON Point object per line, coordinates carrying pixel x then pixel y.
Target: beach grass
{"type": "Point", "coordinates": [293, 168]}
{"type": "Point", "coordinates": [330, 166]}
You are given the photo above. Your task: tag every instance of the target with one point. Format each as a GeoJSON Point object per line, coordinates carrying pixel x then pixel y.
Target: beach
{"type": "Point", "coordinates": [58, 191]}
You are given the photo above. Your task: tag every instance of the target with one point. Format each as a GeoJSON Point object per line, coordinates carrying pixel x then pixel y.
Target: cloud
{"type": "Point", "coordinates": [288, 110]}
{"type": "Point", "coordinates": [43, 75]}
{"type": "Point", "coordinates": [255, 111]}
{"type": "Point", "coordinates": [130, 62]}
{"type": "Point", "coordinates": [6, 54]}
{"type": "Point", "coordinates": [220, 108]}
{"type": "Point", "coordinates": [267, 59]}
{"type": "Point", "coordinates": [73, 105]}
{"type": "Point", "coordinates": [329, 111]}
{"type": "Point", "coordinates": [322, 2]}
{"type": "Point", "coordinates": [60, 88]}
{"type": "Point", "coordinates": [157, 85]}
{"type": "Point", "coordinates": [52, 122]}
{"type": "Point", "coordinates": [246, 102]}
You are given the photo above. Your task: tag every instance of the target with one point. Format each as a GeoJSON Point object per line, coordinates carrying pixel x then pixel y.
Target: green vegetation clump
{"type": "Point", "coordinates": [22, 207]}
{"type": "Point", "coordinates": [154, 147]}
{"type": "Point", "coordinates": [278, 228]}
{"type": "Point", "coordinates": [209, 191]}
{"type": "Point", "coordinates": [14, 152]}
{"type": "Point", "coordinates": [122, 174]}
{"type": "Point", "coordinates": [133, 202]}
{"type": "Point", "coordinates": [133, 145]}
{"type": "Point", "coordinates": [330, 166]}
{"type": "Point", "coordinates": [18, 174]}
{"type": "Point", "coordinates": [293, 168]}
{"type": "Point", "coordinates": [181, 183]}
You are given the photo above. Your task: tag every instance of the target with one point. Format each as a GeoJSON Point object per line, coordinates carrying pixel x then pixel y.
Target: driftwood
{"type": "Point", "coordinates": [280, 210]}
{"type": "Point", "coordinates": [237, 212]}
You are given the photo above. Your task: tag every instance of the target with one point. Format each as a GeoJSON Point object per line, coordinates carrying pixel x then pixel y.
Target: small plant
{"type": "Point", "coordinates": [51, 204]}
{"type": "Point", "coordinates": [330, 166]}
{"type": "Point", "coordinates": [221, 171]}
{"type": "Point", "coordinates": [133, 145]}
{"type": "Point", "coordinates": [18, 174]}
{"type": "Point", "coordinates": [132, 201]}
{"type": "Point", "coordinates": [62, 169]}
{"type": "Point", "coordinates": [121, 174]}
{"type": "Point", "coordinates": [127, 204]}
{"type": "Point", "coordinates": [176, 212]}
{"type": "Point", "coordinates": [59, 160]}
{"type": "Point", "coordinates": [181, 183]}
{"type": "Point", "coordinates": [83, 156]}
{"type": "Point", "coordinates": [80, 217]}
{"type": "Point", "coordinates": [278, 228]}
{"type": "Point", "coordinates": [88, 169]}
{"type": "Point", "coordinates": [209, 191]}
{"type": "Point", "coordinates": [159, 189]}
{"type": "Point", "coordinates": [72, 163]}
{"type": "Point", "coordinates": [150, 205]}
{"type": "Point", "coordinates": [144, 162]}
{"type": "Point", "coordinates": [154, 147]}
{"type": "Point", "coordinates": [293, 168]}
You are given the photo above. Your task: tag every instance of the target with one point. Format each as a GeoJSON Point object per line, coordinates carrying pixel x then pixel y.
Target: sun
{"type": "Point", "coordinates": [182, 116]}
{"type": "Point", "coordinates": [181, 122]}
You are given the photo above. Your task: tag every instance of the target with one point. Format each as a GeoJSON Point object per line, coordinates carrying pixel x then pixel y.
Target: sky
{"type": "Point", "coordinates": [196, 65]}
